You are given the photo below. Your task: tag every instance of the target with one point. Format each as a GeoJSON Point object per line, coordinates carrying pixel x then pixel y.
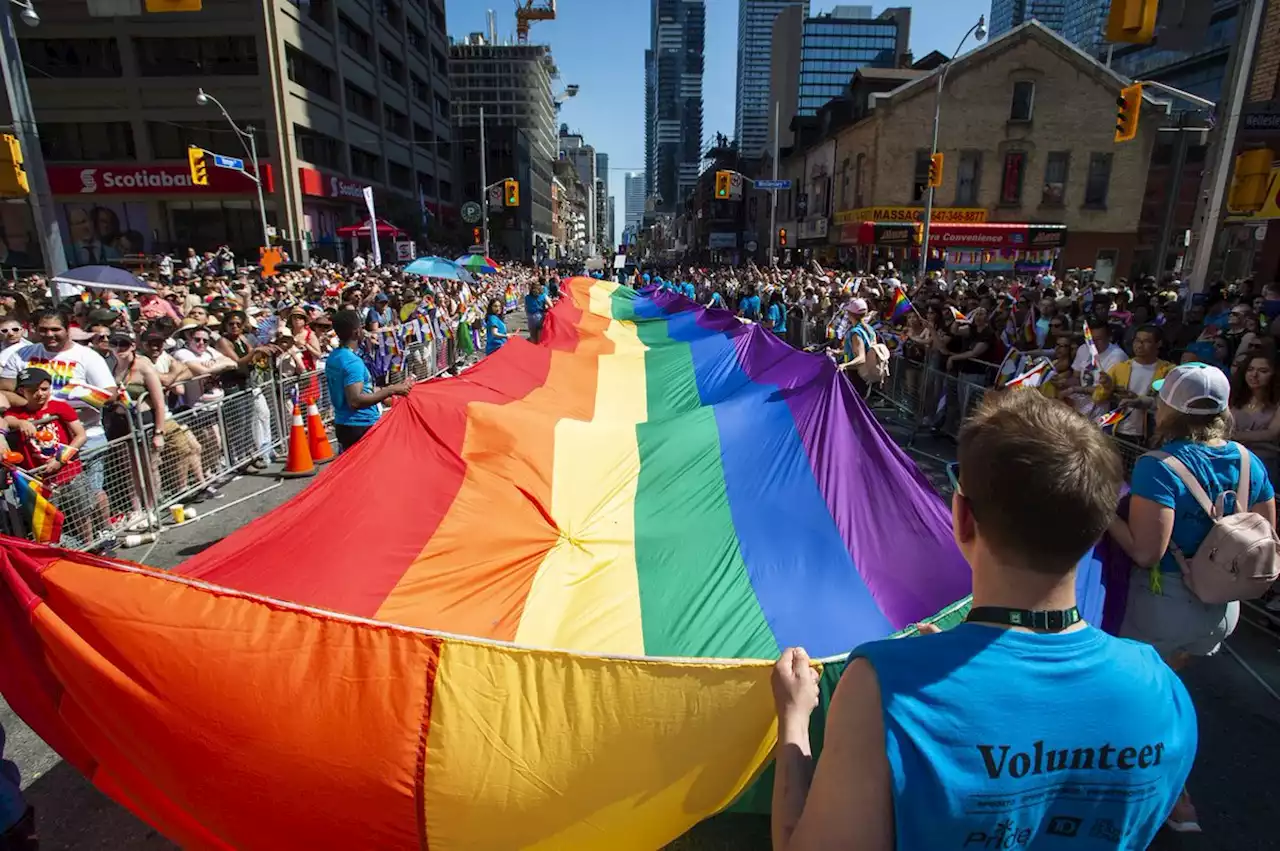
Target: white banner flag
{"type": "Point", "coordinates": [373, 226]}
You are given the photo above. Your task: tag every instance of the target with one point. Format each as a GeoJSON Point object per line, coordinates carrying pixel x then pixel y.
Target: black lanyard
{"type": "Point", "coordinates": [1048, 621]}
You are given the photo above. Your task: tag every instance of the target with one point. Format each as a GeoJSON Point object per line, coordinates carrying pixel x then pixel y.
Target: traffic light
{"type": "Point", "coordinates": [724, 182]}
{"type": "Point", "coordinates": [511, 193]}
{"type": "Point", "coordinates": [935, 170]}
{"type": "Point", "coordinates": [475, 236]}
{"type": "Point", "coordinates": [1250, 181]}
{"type": "Point", "coordinates": [1128, 108]}
{"type": "Point", "coordinates": [1132, 21]}
{"type": "Point", "coordinates": [13, 174]}
{"type": "Point", "coordinates": [199, 171]}
{"type": "Point", "coordinates": [782, 237]}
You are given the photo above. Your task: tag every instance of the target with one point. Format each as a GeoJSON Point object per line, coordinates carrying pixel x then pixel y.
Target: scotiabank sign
{"type": "Point", "coordinates": [320, 184]}
{"type": "Point", "coordinates": [133, 179]}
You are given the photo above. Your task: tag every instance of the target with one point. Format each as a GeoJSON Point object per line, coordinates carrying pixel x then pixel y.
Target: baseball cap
{"type": "Point", "coordinates": [1195, 388]}
{"type": "Point", "coordinates": [33, 376]}
{"type": "Point", "coordinates": [857, 306]}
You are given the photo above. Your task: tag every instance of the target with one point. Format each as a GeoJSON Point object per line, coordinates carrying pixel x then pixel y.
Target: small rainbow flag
{"type": "Point", "coordinates": [901, 305]}
{"type": "Point", "coordinates": [87, 393]}
{"type": "Point", "coordinates": [32, 496]}
{"type": "Point", "coordinates": [1029, 326]}
{"type": "Point", "coordinates": [1032, 377]}
{"type": "Point", "coordinates": [1108, 420]}
{"type": "Point", "coordinates": [1093, 349]}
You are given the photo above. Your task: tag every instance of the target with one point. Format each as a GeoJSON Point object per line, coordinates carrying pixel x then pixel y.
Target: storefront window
{"type": "Point", "coordinates": [205, 225]}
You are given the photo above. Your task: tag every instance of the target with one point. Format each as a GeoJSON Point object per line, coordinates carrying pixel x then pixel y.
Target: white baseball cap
{"type": "Point", "coordinates": [856, 306]}
{"type": "Point", "coordinates": [1195, 388]}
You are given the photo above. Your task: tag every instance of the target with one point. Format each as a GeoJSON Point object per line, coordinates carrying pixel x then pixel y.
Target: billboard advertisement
{"type": "Point", "coordinates": [99, 232]}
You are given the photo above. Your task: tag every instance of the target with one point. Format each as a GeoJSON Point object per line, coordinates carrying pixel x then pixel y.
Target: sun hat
{"type": "Point", "coordinates": [1195, 388]}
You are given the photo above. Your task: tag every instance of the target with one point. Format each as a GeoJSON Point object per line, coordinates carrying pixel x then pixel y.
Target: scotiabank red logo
{"type": "Point", "coordinates": [132, 179]}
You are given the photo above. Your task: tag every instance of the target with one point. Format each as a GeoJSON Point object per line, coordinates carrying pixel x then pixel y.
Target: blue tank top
{"type": "Point", "coordinates": [999, 739]}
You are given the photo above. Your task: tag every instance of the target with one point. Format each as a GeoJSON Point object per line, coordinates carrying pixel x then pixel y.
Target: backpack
{"type": "Point", "coordinates": [1240, 557]}
{"type": "Point", "coordinates": [875, 367]}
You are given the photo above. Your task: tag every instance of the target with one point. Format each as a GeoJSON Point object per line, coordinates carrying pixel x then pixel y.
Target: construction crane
{"type": "Point", "coordinates": [529, 11]}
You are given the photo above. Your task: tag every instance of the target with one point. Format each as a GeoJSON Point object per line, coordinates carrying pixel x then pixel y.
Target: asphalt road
{"type": "Point", "coordinates": [1234, 782]}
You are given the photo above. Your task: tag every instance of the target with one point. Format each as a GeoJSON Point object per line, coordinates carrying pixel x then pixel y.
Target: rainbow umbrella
{"type": "Point", "coordinates": [479, 263]}
{"type": "Point", "coordinates": [540, 611]}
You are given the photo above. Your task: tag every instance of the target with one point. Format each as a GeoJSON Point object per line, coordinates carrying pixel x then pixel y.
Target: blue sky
{"type": "Point", "coordinates": [600, 44]}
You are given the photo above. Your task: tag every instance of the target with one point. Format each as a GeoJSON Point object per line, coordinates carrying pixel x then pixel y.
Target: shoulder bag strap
{"type": "Point", "coordinates": [1243, 489]}
{"type": "Point", "coordinates": [1188, 478]}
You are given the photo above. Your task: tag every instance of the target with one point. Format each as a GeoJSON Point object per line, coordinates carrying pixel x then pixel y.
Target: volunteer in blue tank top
{"type": "Point", "coordinates": [776, 316]}
{"type": "Point", "coordinates": [749, 304]}
{"type": "Point", "coordinates": [1192, 424]}
{"type": "Point", "coordinates": [1022, 728]}
{"type": "Point", "coordinates": [857, 341]}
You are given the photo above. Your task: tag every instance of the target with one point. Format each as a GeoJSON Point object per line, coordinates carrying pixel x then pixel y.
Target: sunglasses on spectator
{"type": "Point", "coordinates": [199, 339]}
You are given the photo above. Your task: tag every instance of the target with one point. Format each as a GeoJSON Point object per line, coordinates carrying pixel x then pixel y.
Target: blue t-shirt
{"type": "Point", "coordinates": [1002, 739]}
{"type": "Point", "coordinates": [778, 316]}
{"type": "Point", "coordinates": [12, 806]}
{"type": "Point", "coordinates": [1217, 469]}
{"type": "Point", "coordinates": [493, 325]}
{"type": "Point", "coordinates": [688, 290]}
{"type": "Point", "coordinates": [716, 300]}
{"type": "Point", "coordinates": [535, 305]}
{"type": "Point", "coordinates": [343, 368]}
{"type": "Point", "coordinates": [750, 307]}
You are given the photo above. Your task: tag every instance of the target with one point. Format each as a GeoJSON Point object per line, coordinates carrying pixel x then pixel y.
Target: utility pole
{"type": "Point", "coordinates": [1174, 195]}
{"type": "Point", "coordinates": [484, 182]}
{"type": "Point", "coordinates": [24, 127]}
{"type": "Point", "coordinates": [1213, 192]}
{"type": "Point", "coordinates": [773, 194]}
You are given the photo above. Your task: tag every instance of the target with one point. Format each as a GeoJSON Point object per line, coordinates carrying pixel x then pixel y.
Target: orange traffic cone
{"type": "Point", "coordinates": [299, 463]}
{"type": "Point", "coordinates": [321, 449]}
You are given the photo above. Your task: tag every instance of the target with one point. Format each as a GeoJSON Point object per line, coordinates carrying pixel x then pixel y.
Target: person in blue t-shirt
{"type": "Point", "coordinates": [536, 305]}
{"type": "Point", "coordinates": [775, 318]}
{"type": "Point", "coordinates": [1192, 426]}
{"type": "Point", "coordinates": [356, 404]}
{"type": "Point", "coordinates": [749, 304]}
{"type": "Point", "coordinates": [495, 330]}
{"type": "Point", "coordinates": [1021, 728]}
{"type": "Point", "coordinates": [688, 291]}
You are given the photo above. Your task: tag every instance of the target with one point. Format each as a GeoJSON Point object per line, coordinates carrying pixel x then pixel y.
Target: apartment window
{"type": "Point", "coordinates": [399, 176]}
{"type": "Point", "coordinates": [365, 164]}
{"type": "Point", "coordinates": [389, 11]}
{"type": "Point", "coordinates": [395, 121]}
{"type": "Point", "coordinates": [316, 10]}
{"type": "Point", "coordinates": [441, 64]}
{"type": "Point", "coordinates": [423, 138]}
{"type": "Point", "coordinates": [353, 36]}
{"type": "Point", "coordinates": [417, 38]}
{"type": "Point", "coordinates": [360, 102]}
{"type": "Point", "coordinates": [442, 106]}
{"type": "Point", "coordinates": [308, 73]}
{"type": "Point", "coordinates": [421, 91]}
{"type": "Point", "coordinates": [170, 139]}
{"type": "Point", "coordinates": [445, 149]}
{"type": "Point", "coordinates": [446, 190]}
{"type": "Point", "coordinates": [1098, 180]}
{"type": "Point", "coordinates": [426, 184]}
{"type": "Point", "coordinates": [968, 178]}
{"type": "Point", "coordinates": [231, 55]}
{"type": "Point", "coordinates": [72, 57]}
{"type": "Point", "coordinates": [1015, 165]}
{"type": "Point", "coordinates": [93, 141]}
{"type": "Point", "coordinates": [392, 67]}
{"type": "Point", "coordinates": [437, 19]}
{"type": "Point", "coordinates": [1055, 179]}
{"type": "Point", "coordinates": [317, 148]}
{"type": "Point", "coordinates": [920, 179]}
{"type": "Point", "coordinates": [1024, 95]}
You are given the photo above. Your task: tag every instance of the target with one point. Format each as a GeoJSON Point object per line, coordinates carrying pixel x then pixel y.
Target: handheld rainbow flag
{"type": "Point", "coordinates": [1029, 326]}
{"type": "Point", "coordinates": [32, 496]}
{"type": "Point", "coordinates": [1112, 418]}
{"type": "Point", "coordinates": [901, 305]}
{"type": "Point", "coordinates": [1093, 349]}
{"type": "Point", "coordinates": [93, 396]}
{"type": "Point", "coordinates": [1032, 377]}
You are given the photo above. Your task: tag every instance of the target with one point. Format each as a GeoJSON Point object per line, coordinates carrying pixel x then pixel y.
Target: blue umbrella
{"type": "Point", "coordinates": [102, 278]}
{"type": "Point", "coordinates": [439, 267]}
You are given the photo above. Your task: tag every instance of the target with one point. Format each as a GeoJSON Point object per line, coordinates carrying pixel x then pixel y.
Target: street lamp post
{"type": "Point", "coordinates": [24, 128]}
{"type": "Point", "coordinates": [978, 31]}
{"type": "Point", "coordinates": [250, 146]}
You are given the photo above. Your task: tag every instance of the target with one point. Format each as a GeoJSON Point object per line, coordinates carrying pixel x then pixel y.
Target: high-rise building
{"type": "Point", "coordinates": [583, 158]}
{"type": "Point", "coordinates": [1007, 14]}
{"type": "Point", "coordinates": [634, 200]}
{"type": "Point", "coordinates": [840, 42]}
{"type": "Point", "coordinates": [674, 66]}
{"type": "Point", "coordinates": [512, 84]}
{"type": "Point", "coordinates": [754, 110]}
{"type": "Point", "coordinates": [338, 101]}
{"type": "Point", "coordinates": [605, 223]}
{"type": "Point", "coordinates": [1202, 64]}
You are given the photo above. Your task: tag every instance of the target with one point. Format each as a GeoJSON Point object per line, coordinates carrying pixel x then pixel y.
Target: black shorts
{"type": "Point", "coordinates": [349, 435]}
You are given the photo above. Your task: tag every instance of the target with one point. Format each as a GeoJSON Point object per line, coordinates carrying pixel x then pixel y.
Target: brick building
{"type": "Point", "coordinates": [1031, 170]}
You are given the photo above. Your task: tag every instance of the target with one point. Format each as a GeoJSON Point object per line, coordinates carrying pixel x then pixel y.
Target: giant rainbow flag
{"type": "Point", "coordinates": [535, 608]}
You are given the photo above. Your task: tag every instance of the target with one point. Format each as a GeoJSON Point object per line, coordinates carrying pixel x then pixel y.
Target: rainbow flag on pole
{"type": "Point", "coordinates": [93, 396]}
{"type": "Point", "coordinates": [1032, 377]}
{"type": "Point", "coordinates": [32, 496]}
{"type": "Point", "coordinates": [1112, 418]}
{"type": "Point", "coordinates": [901, 305]}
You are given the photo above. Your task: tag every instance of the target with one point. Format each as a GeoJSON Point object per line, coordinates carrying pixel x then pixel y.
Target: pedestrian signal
{"type": "Point", "coordinates": [199, 170]}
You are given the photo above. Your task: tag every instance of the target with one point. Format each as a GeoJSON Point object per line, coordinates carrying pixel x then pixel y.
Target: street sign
{"type": "Point", "coordinates": [471, 212]}
{"type": "Point", "coordinates": [751, 246]}
{"type": "Point", "coordinates": [476, 249]}
{"type": "Point", "coordinates": [773, 184]}
{"type": "Point", "coordinates": [228, 162]}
